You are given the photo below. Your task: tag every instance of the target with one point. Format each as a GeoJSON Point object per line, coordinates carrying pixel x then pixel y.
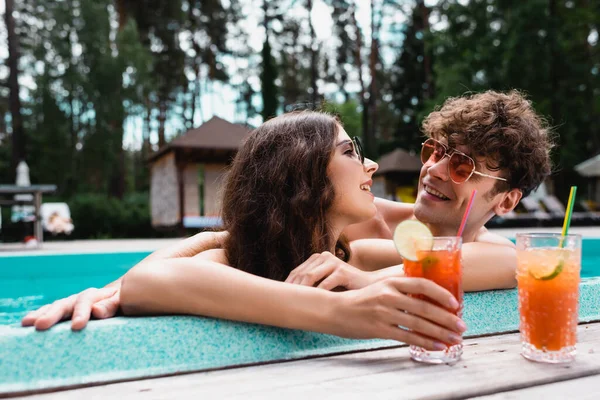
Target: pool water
{"type": "Point", "coordinates": [28, 282]}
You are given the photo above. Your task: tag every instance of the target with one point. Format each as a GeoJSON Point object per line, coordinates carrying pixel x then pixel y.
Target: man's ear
{"type": "Point", "coordinates": [509, 202]}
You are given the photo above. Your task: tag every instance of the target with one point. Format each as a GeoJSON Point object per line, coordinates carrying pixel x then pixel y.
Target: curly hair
{"type": "Point", "coordinates": [501, 128]}
{"type": "Point", "coordinates": [277, 194]}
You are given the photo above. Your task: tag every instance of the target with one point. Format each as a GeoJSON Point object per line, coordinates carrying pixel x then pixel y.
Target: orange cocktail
{"type": "Point", "coordinates": [548, 277]}
{"type": "Point", "coordinates": [442, 264]}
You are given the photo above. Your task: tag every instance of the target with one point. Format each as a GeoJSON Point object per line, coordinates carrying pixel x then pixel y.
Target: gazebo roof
{"type": "Point", "coordinates": [398, 160]}
{"type": "Point", "coordinates": [215, 134]}
{"type": "Point", "coordinates": [590, 167]}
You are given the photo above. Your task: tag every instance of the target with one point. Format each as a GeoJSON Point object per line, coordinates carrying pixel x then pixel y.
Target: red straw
{"type": "Point", "coordinates": [467, 211]}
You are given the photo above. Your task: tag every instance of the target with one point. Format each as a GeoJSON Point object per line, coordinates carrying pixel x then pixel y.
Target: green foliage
{"type": "Point", "coordinates": [102, 68]}
{"type": "Point", "coordinates": [545, 48]}
{"type": "Point", "coordinates": [349, 113]}
{"type": "Point", "coordinates": [294, 66]}
{"type": "Point", "coordinates": [410, 85]}
{"type": "Point", "coordinates": [99, 216]}
{"type": "Point", "coordinates": [49, 147]}
{"type": "Point", "coordinates": [346, 46]}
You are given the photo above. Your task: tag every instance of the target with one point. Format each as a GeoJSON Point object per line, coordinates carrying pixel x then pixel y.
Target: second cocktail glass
{"type": "Point", "coordinates": [442, 265]}
{"type": "Point", "coordinates": [548, 267]}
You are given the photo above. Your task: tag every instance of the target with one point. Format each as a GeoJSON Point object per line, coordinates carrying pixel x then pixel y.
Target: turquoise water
{"type": "Point", "coordinates": [28, 282]}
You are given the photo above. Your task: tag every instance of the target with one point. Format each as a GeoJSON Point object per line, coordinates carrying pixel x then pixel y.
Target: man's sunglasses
{"type": "Point", "coordinates": [460, 166]}
{"type": "Point", "coordinates": [359, 149]}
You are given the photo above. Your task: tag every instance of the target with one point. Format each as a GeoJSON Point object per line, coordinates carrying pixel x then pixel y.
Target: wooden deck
{"type": "Point", "coordinates": [491, 368]}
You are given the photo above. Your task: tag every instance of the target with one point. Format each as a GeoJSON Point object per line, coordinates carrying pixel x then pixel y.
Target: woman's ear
{"type": "Point", "coordinates": [508, 202]}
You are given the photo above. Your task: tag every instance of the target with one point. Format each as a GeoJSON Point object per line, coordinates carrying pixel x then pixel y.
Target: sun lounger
{"type": "Point", "coordinates": [528, 212]}
{"type": "Point", "coordinates": [584, 205]}
{"type": "Point", "coordinates": [56, 218]}
{"type": "Point", "coordinates": [558, 210]}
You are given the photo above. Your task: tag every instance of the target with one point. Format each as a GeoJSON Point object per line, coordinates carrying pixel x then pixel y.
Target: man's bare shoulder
{"type": "Point", "coordinates": [485, 236]}
{"type": "Point", "coordinates": [389, 214]}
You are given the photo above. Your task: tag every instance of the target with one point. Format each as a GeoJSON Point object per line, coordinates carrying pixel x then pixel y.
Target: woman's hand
{"type": "Point", "coordinates": [326, 271]}
{"type": "Point", "coordinates": [101, 303]}
{"type": "Point", "coordinates": [385, 310]}
{"type": "Point", "coordinates": [105, 302]}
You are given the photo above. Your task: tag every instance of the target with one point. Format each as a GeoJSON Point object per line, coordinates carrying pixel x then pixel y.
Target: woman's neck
{"type": "Point", "coordinates": [335, 231]}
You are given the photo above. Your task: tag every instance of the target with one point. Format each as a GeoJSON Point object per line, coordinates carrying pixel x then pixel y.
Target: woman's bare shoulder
{"type": "Point", "coordinates": [216, 255]}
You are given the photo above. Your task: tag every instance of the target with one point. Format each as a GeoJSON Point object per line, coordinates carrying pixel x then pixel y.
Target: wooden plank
{"type": "Point", "coordinates": [580, 389]}
{"type": "Point", "coordinates": [14, 189]}
{"type": "Point", "coordinates": [490, 365]}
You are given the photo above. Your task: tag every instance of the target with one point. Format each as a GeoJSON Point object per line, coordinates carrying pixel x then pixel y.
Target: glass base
{"type": "Point", "coordinates": [449, 356]}
{"type": "Point", "coordinates": [564, 355]}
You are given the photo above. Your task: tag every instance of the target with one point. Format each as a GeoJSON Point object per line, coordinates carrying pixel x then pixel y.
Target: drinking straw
{"type": "Point", "coordinates": [568, 213]}
{"type": "Point", "coordinates": [466, 215]}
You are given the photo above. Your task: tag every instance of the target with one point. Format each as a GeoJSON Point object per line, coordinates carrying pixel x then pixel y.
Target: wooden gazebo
{"type": "Point", "coordinates": [185, 174]}
{"type": "Point", "coordinates": [398, 175]}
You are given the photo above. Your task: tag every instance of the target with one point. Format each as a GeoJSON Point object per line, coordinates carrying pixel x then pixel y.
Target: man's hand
{"type": "Point", "coordinates": [385, 310]}
{"type": "Point", "coordinates": [101, 303]}
{"type": "Point", "coordinates": [329, 272]}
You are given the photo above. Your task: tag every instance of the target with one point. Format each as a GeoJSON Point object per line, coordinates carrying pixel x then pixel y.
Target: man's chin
{"type": "Point", "coordinates": [421, 212]}
{"type": "Point", "coordinates": [428, 214]}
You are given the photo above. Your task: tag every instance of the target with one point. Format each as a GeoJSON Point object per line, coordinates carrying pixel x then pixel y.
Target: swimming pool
{"type": "Point", "coordinates": [122, 348]}
{"type": "Point", "coordinates": [28, 282]}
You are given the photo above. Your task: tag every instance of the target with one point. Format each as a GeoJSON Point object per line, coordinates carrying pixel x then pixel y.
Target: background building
{"type": "Point", "coordinates": [186, 173]}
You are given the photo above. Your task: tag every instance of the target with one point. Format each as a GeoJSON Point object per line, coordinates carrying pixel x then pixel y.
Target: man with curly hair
{"type": "Point", "coordinates": [492, 142]}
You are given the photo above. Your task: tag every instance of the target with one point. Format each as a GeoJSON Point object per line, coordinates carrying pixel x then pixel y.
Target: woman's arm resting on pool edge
{"type": "Point", "coordinates": [202, 287]}
{"type": "Point", "coordinates": [188, 247]}
{"type": "Point", "coordinates": [104, 303]}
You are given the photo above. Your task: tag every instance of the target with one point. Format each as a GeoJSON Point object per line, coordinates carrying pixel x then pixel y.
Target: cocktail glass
{"type": "Point", "coordinates": [548, 267]}
{"type": "Point", "coordinates": [442, 264]}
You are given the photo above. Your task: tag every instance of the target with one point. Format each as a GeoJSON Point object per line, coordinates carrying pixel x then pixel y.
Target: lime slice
{"type": "Point", "coordinates": [547, 273]}
{"type": "Point", "coordinates": [411, 237]}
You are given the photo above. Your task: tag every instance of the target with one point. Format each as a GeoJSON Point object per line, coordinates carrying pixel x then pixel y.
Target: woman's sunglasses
{"type": "Point", "coordinates": [359, 149]}
{"type": "Point", "coordinates": [460, 166]}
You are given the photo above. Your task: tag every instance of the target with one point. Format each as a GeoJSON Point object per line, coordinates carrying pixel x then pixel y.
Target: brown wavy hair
{"type": "Point", "coordinates": [277, 194]}
{"type": "Point", "coordinates": [501, 128]}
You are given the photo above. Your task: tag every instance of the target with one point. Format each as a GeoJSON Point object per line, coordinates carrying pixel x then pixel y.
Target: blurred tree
{"type": "Point", "coordinates": [547, 48]}
{"type": "Point", "coordinates": [345, 46]}
{"type": "Point", "coordinates": [207, 27]}
{"type": "Point", "coordinates": [268, 75]}
{"type": "Point", "coordinates": [160, 24]}
{"type": "Point", "coordinates": [349, 113]}
{"type": "Point", "coordinates": [411, 80]}
{"type": "Point", "coordinates": [313, 47]}
{"type": "Point", "coordinates": [17, 130]}
{"type": "Point", "coordinates": [49, 150]}
{"type": "Point", "coordinates": [295, 67]}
